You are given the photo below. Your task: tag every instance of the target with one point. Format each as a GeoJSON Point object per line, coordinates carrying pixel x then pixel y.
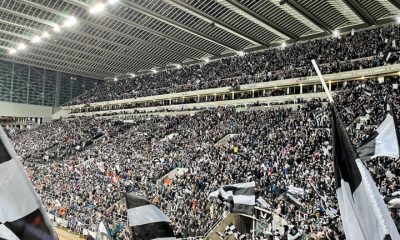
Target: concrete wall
{"type": "Point", "coordinates": [211, 104]}
{"type": "Point", "coordinates": [25, 110]}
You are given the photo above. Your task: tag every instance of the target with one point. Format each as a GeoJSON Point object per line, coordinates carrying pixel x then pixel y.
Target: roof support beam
{"type": "Point", "coordinates": [159, 34]}
{"type": "Point", "coordinates": [70, 66]}
{"type": "Point", "coordinates": [177, 25]}
{"type": "Point", "coordinates": [34, 46]}
{"type": "Point", "coordinates": [49, 66]}
{"type": "Point", "coordinates": [360, 11]}
{"type": "Point", "coordinates": [295, 5]}
{"type": "Point", "coordinates": [218, 23]}
{"type": "Point", "coordinates": [395, 3]}
{"type": "Point", "coordinates": [36, 5]}
{"type": "Point", "coordinates": [261, 21]}
{"type": "Point", "coordinates": [75, 50]}
{"type": "Point", "coordinates": [26, 38]}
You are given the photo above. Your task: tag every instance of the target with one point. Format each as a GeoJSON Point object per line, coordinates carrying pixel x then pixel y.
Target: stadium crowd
{"type": "Point", "coordinates": [278, 148]}
{"type": "Point", "coordinates": [363, 49]}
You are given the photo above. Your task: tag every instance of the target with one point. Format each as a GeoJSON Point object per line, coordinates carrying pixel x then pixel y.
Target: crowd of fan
{"type": "Point", "coordinates": [363, 49]}
{"type": "Point", "coordinates": [277, 148]}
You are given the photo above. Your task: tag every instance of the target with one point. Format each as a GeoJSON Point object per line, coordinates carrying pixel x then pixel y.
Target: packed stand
{"type": "Point", "coordinates": [277, 148]}
{"type": "Point", "coordinates": [365, 49]}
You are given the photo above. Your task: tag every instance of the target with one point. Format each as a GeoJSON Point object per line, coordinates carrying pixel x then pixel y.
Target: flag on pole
{"type": "Point", "coordinates": [147, 221]}
{"type": "Point", "coordinates": [384, 141]}
{"type": "Point", "coordinates": [103, 231]}
{"type": "Point", "coordinates": [362, 210]}
{"type": "Point", "coordinates": [242, 197]}
{"type": "Point", "coordinates": [21, 212]}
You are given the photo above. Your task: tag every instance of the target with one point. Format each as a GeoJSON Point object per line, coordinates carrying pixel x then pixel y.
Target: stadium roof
{"type": "Point", "coordinates": [117, 37]}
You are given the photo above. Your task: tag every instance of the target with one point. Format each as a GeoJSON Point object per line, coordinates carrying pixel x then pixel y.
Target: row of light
{"type": "Point", "coordinates": [69, 22]}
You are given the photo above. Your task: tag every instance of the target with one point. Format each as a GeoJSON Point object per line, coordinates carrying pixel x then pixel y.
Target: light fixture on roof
{"type": "Point", "coordinates": [154, 70]}
{"type": "Point", "coordinates": [398, 19]}
{"type": "Point", "coordinates": [21, 46]}
{"type": "Point", "coordinates": [70, 21]}
{"type": "Point", "coordinates": [45, 34]}
{"type": "Point", "coordinates": [336, 33]}
{"type": "Point", "coordinates": [12, 51]}
{"type": "Point", "coordinates": [115, 79]}
{"type": "Point", "coordinates": [207, 60]}
{"type": "Point", "coordinates": [36, 39]}
{"type": "Point", "coordinates": [56, 28]}
{"type": "Point", "coordinates": [97, 8]}
{"type": "Point", "coordinates": [132, 75]}
{"type": "Point", "coordinates": [178, 66]}
{"type": "Point", "coordinates": [283, 45]}
{"type": "Point", "coordinates": [112, 2]}
{"type": "Point", "coordinates": [240, 53]}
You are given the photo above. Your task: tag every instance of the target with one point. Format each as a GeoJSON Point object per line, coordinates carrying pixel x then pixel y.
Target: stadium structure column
{"type": "Point", "coordinates": [12, 82]}
{"type": "Point", "coordinates": [57, 93]}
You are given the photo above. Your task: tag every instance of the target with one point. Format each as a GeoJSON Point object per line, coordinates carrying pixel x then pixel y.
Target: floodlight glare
{"type": "Point", "coordinates": [45, 35]}
{"type": "Point", "coordinates": [12, 50]}
{"type": "Point", "coordinates": [70, 21]}
{"type": "Point", "coordinates": [97, 8]}
{"type": "Point", "coordinates": [56, 28]}
{"type": "Point", "coordinates": [240, 53]}
{"type": "Point", "coordinates": [21, 46]}
{"type": "Point", "coordinates": [36, 39]}
{"type": "Point", "coordinates": [111, 2]}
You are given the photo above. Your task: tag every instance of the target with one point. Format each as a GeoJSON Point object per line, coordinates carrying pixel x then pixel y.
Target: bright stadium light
{"type": "Point", "coordinates": [56, 28]}
{"type": "Point", "coordinates": [336, 33]}
{"type": "Point", "coordinates": [132, 75]}
{"type": "Point", "coordinates": [398, 20]}
{"type": "Point", "coordinates": [12, 51]}
{"type": "Point", "coordinates": [240, 53]}
{"type": "Point", "coordinates": [154, 70]}
{"type": "Point", "coordinates": [70, 21]}
{"type": "Point", "coordinates": [21, 46]}
{"type": "Point", "coordinates": [178, 66]}
{"type": "Point", "coordinates": [97, 8]}
{"type": "Point", "coordinates": [112, 2]}
{"type": "Point", "coordinates": [36, 39]}
{"type": "Point", "coordinates": [115, 79]}
{"type": "Point", "coordinates": [283, 45]}
{"type": "Point", "coordinates": [45, 34]}
{"type": "Point", "coordinates": [207, 60]}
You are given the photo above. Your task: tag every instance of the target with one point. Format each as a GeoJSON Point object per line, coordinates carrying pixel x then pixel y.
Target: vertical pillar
{"type": "Point", "coordinates": [330, 85]}
{"type": "Point", "coordinates": [43, 86]}
{"type": "Point", "coordinates": [28, 84]}
{"type": "Point", "coordinates": [58, 89]}
{"type": "Point", "coordinates": [301, 88]}
{"type": "Point", "coordinates": [233, 95]}
{"type": "Point", "coordinates": [12, 81]}
{"type": "Point", "coordinates": [287, 90]}
{"type": "Point", "coordinates": [71, 86]}
{"type": "Point", "coordinates": [315, 87]}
